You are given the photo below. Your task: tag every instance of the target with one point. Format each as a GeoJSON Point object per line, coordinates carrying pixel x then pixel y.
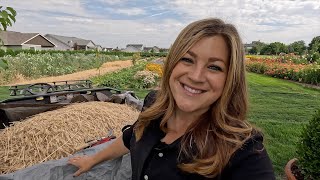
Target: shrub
{"type": "Point", "coordinates": [146, 78]}
{"type": "Point", "coordinates": [309, 148]}
{"type": "Point", "coordinates": [2, 52]}
{"type": "Point", "coordinates": [135, 57]}
{"type": "Point", "coordinates": [257, 68]}
{"type": "Point", "coordinates": [311, 75]}
{"type": "Point", "coordinates": [313, 57]}
{"type": "Point", "coordinates": [122, 79]}
{"type": "Point", "coordinates": [156, 68]}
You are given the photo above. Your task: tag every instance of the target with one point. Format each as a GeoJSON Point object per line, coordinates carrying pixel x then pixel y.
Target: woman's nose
{"type": "Point", "coordinates": [197, 74]}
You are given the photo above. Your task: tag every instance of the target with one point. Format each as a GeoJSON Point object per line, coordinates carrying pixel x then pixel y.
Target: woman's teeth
{"type": "Point", "coordinates": [194, 91]}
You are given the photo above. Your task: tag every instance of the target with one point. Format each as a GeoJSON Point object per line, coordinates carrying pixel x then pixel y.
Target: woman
{"type": "Point", "coordinates": [196, 128]}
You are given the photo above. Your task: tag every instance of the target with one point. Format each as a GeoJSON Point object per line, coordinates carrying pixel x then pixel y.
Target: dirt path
{"type": "Point", "coordinates": [105, 68]}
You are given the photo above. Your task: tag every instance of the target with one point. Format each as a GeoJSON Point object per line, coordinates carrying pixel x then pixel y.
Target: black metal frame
{"type": "Point", "coordinates": [51, 87]}
{"type": "Point", "coordinates": [53, 92]}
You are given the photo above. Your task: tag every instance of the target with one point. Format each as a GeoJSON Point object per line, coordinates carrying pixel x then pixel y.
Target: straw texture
{"type": "Point", "coordinates": [56, 134]}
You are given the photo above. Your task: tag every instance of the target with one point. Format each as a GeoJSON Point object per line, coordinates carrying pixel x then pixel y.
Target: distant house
{"type": "Point", "coordinates": [248, 46]}
{"type": "Point", "coordinates": [70, 43]}
{"type": "Point", "coordinates": [154, 49]}
{"type": "Point", "coordinates": [133, 48]}
{"type": "Point", "coordinates": [98, 47]}
{"type": "Point", "coordinates": [18, 40]}
{"type": "Point", "coordinates": [107, 49]}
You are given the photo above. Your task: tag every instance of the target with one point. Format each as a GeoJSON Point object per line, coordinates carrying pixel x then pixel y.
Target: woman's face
{"type": "Point", "coordinates": [198, 79]}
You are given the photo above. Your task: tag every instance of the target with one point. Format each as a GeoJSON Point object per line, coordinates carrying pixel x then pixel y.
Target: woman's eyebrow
{"type": "Point", "coordinates": [194, 55]}
{"type": "Point", "coordinates": [211, 59]}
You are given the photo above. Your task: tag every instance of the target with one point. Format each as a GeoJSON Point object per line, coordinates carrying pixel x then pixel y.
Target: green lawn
{"type": "Point", "coordinates": [279, 108]}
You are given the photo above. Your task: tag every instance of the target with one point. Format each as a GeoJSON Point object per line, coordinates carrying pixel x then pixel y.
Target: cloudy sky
{"type": "Point", "coordinates": [113, 23]}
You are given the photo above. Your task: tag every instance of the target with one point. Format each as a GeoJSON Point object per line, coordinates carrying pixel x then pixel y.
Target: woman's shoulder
{"type": "Point", "coordinates": [253, 145]}
{"type": "Point", "coordinates": [149, 99]}
{"type": "Point", "coordinates": [251, 160]}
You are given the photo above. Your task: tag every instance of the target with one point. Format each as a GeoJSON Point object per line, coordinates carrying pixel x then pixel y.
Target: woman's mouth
{"type": "Point", "coordinates": [191, 90]}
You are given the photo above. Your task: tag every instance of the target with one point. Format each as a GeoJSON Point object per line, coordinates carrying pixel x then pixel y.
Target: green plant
{"type": "Point", "coordinates": [129, 78]}
{"type": "Point", "coordinates": [146, 78]}
{"type": "Point", "coordinates": [260, 68]}
{"type": "Point", "coordinates": [7, 17]}
{"type": "Point", "coordinates": [47, 64]}
{"type": "Point", "coordinates": [311, 75]}
{"type": "Point", "coordinates": [309, 148]}
{"type": "Point", "coordinates": [135, 57]}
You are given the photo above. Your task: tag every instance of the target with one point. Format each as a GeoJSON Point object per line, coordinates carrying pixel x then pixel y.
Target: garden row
{"type": "Point", "coordinates": [280, 67]}
{"type": "Point", "coordinates": [143, 75]}
{"type": "Point", "coordinates": [41, 65]}
{"type": "Point", "coordinates": [51, 52]}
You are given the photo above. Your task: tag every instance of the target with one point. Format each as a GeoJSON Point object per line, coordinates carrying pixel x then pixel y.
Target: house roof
{"type": "Point", "coordinates": [139, 46]}
{"type": "Point", "coordinates": [70, 41]}
{"type": "Point", "coordinates": [18, 38]}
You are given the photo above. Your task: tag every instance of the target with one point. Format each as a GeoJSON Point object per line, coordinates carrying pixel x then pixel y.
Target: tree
{"type": "Point", "coordinates": [7, 17]}
{"type": "Point", "coordinates": [274, 48]}
{"type": "Point", "coordinates": [314, 45]}
{"type": "Point", "coordinates": [266, 50]}
{"type": "Point", "coordinates": [297, 47]}
{"type": "Point", "coordinates": [258, 46]}
{"type": "Point", "coordinates": [253, 50]}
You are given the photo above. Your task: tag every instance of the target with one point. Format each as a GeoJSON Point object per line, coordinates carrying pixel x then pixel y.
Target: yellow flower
{"type": "Point", "coordinates": [157, 68]}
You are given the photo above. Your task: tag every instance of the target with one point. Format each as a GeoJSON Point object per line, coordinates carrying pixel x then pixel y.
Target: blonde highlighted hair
{"type": "Point", "coordinates": [223, 129]}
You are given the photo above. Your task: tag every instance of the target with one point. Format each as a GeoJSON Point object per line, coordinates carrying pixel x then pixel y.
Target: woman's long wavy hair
{"type": "Point", "coordinates": [209, 142]}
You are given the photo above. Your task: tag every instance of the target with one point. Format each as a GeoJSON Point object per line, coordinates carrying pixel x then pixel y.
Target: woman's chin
{"type": "Point", "coordinates": [187, 108]}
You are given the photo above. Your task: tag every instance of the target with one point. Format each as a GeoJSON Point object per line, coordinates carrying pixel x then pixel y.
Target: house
{"type": "Point", "coordinates": [248, 46]}
{"type": "Point", "coordinates": [154, 49]}
{"type": "Point", "coordinates": [133, 48]}
{"type": "Point", "coordinates": [70, 43]}
{"type": "Point", "coordinates": [107, 49]}
{"type": "Point", "coordinates": [18, 40]}
{"type": "Point", "coordinates": [98, 47]}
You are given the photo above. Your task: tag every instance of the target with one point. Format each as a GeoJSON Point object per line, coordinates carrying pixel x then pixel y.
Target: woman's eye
{"type": "Point", "coordinates": [188, 60]}
{"type": "Point", "coordinates": [215, 68]}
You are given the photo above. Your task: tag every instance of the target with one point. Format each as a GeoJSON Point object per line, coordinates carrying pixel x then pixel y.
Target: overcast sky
{"type": "Point", "coordinates": [113, 23]}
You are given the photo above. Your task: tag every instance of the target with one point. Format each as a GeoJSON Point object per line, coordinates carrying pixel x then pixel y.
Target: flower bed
{"type": "Point", "coordinates": [285, 69]}
{"type": "Point", "coordinates": [156, 68]}
{"type": "Point", "coordinates": [142, 75]}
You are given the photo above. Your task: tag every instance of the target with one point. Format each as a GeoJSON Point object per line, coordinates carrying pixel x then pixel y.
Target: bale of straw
{"type": "Point", "coordinates": [56, 134]}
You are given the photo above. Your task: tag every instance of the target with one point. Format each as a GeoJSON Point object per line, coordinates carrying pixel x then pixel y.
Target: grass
{"type": "Point", "coordinates": [4, 93]}
{"type": "Point", "coordinates": [279, 108]}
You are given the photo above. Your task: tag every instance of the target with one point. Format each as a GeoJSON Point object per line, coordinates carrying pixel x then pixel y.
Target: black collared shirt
{"type": "Point", "coordinates": [152, 159]}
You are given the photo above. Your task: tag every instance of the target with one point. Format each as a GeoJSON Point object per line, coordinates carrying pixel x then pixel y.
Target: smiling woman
{"type": "Point", "coordinates": [198, 79]}
{"type": "Point", "coordinates": [195, 127]}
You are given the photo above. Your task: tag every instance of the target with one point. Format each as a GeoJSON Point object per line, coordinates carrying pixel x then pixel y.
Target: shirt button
{"type": "Point", "coordinates": [160, 154]}
{"type": "Point", "coordinates": [145, 177]}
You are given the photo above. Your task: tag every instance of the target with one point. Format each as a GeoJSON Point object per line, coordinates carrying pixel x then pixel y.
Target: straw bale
{"type": "Point", "coordinates": [56, 134]}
